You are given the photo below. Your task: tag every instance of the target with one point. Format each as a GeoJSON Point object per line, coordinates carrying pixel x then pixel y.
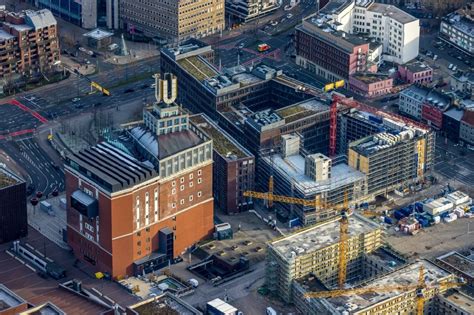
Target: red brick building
{"type": "Point", "coordinates": [138, 202]}
{"type": "Point", "coordinates": [415, 72]}
{"type": "Point", "coordinates": [234, 168]}
{"type": "Point", "coordinates": [29, 42]}
{"type": "Point", "coordinates": [370, 85]}
{"type": "Point", "coordinates": [331, 54]}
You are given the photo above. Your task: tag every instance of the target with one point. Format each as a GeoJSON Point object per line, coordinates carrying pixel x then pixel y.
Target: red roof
{"type": "Point", "coordinates": [468, 117]}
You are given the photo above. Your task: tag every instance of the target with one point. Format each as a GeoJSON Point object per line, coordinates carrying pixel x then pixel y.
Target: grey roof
{"type": "Point", "coordinates": [84, 198]}
{"type": "Point", "coordinates": [110, 167]}
{"type": "Point", "coordinates": [455, 113]}
{"type": "Point", "coordinates": [395, 13]}
{"type": "Point", "coordinates": [5, 35]}
{"type": "Point", "coordinates": [40, 19]}
{"type": "Point", "coordinates": [175, 142]}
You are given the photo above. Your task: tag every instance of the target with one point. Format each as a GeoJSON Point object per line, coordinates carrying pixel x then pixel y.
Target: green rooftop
{"type": "Point", "coordinates": [220, 142]}
{"type": "Point", "coordinates": [197, 68]}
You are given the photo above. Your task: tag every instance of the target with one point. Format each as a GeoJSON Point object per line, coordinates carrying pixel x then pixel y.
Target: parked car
{"type": "Point", "coordinates": [76, 99]}
{"type": "Point", "coordinates": [450, 66]}
{"type": "Point", "coordinates": [289, 16]}
{"type": "Point", "coordinates": [455, 68]}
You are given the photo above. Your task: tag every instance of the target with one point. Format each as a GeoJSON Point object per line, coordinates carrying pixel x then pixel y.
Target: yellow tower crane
{"type": "Point", "coordinates": [420, 286]}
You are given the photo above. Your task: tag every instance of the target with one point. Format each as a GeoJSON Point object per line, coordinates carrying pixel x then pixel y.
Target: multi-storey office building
{"type": "Point", "coordinates": [457, 29]}
{"type": "Point", "coordinates": [173, 21]}
{"type": "Point", "coordinates": [86, 13]}
{"type": "Point", "coordinates": [28, 42]}
{"type": "Point", "coordinates": [390, 159]}
{"type": "Point", "coordinates": [355, 36]}
{"type": "Point", "coordinates": [137, 202]}
{"type": "Point", "coordinates": [315, 251]}
{"type": "Point", "coordinates": [234, 167]}
{"type": "Point", "coordinates": [13, 217]}
{"type": "Point", "coordinates": [247, 10]}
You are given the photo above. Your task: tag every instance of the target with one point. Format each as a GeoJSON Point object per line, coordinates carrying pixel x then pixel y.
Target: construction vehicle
{"type": "Point", "coordinates": [420, 286]}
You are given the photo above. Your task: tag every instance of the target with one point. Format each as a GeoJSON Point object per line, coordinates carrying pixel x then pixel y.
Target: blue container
{"type": "Point", "coordinates": [399, 215]}
{"type": "Point", "coordinates": [364, 205]}
{"type": "Point", "coordinates": [419, 207]}
{"type": "Point", "coordinates": [387, 220]}
{"type": "Point", "coordinates": [406, 211]}
{"type": "Point", "coordinates": [294, 222]}
{"type": "Point", "coordinates": [444, 214]}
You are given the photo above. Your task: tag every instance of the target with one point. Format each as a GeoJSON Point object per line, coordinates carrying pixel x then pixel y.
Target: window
{"type": "Point", "coordinates": [181, 180]}
{"type": "Point", "coordinates": [199, 172]}
{"type": "Point", "coordinates": [181, 202]}
{"type": "Point", "coordinates": [199, 194]}
{"type": "Point", "coordinates": [191, 198]}
{"type": "Point", "coordinates": [173, 184]}
{"type": "Point", "coordinates": [173, 205]}
{"type": "Point", "coordinates": [173, 191]}
{"type": "Point", "coordinates": [190, 184]}
{"type": "Point", "coordinates": [181, 188]}
{"type": "Point", "coordinates": [191, 176]}
{"type": "Point", "coordinates": [199, 180]}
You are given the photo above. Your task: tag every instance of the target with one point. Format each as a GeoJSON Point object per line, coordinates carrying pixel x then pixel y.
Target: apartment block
{"type": "Point", "coordinates": [29, 42]}
{"type": "Point", "coordinates": [390, 159]}
{"type": "Point", "coordinates": [88, 14]}
{"type": "Point", "coordinates": [457, 29]}
{"type": "Point", "coordinates": [314, 251]}
{"type": "Point", "coordinates": [234, 167]}
{"type": "Point", "coordinates": [459, 264]}
{"type": "Point", "coordinates": [247, 10]}
{"type": "Point", "coordinates": [173, 21]}
{"type": "Point", "coordinates": [13, 217]}
{"type": "Point", "coordinates": [139, 200]}
{"type": "Point", "coordinates": [424, 104]}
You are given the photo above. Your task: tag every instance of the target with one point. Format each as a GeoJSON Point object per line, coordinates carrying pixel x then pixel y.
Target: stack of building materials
{"type": "Point", "coordinates": [459, 212]}
{"type": "Point", "coordinates": [450, 218]}
{"type": "Point", "coordinates": [409, 225]}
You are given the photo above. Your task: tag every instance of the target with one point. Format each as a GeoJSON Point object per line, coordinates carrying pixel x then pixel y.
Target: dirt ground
{"type": "Point", "coordinates": [435, 240]}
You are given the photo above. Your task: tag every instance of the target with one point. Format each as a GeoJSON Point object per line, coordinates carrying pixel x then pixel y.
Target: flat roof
{"type": "Point", "coordinates": [292, 168]}
{"type": "Point", "coordinates": [463, 301]}
{"type": "Point", "coordinates": [198, 67]}
{"type": "Point", "coordinates": [416, 66]}
{"type": "Point", "coordinates": [395, 13]}
{"type": "Point", "coordinates": [5, 35]}
{"type": "Point", "coordinates": [8, 178]}
{"type": "Point", "coordinates": [402, 277]}
{"type": "Point", "coordinates": [8, 299]}
{"type": "Point", "coordinates": [223, 143]}
{"type": "Point", "coordinates": [303, 109]}
{"type": "Point", "coordinates": [98, 34]}
{"type": "Point", "coordinates": [455, 113]}
{"type": "Point", "coordinates": [47, 308]}
{"type": "Point", "coordinates": [459, 262]}
{"type": "Point", "coordinates": [164, 304]}
{"type": "Point", "coordinates": [370, 78]}
{"type": "Point", "coordinates": [320, 236]}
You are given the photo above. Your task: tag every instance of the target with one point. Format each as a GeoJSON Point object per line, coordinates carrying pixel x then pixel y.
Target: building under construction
{"type": "Point", "coordinates": [397, 156]}
{"type": "Point", "coordinates": [391, 302]}
{"type": "Point", "coordinates": [315, 251]}
{"type": "Point", "coordinates": [311, 177]}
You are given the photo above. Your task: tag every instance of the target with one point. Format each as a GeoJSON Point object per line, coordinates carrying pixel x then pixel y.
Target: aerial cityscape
{"type": "Point", "coordinates": [237, 157]}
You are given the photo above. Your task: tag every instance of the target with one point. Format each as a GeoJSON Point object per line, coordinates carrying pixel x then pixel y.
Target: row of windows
{"type": "Point", "coordinates": [190, 198]}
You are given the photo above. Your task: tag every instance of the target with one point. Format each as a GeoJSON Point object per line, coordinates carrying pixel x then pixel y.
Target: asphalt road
{"type": "Point", "coordinates": [41, 171]}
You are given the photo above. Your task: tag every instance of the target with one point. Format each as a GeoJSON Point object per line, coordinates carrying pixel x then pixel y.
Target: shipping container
{"type": "Point", "coordinates": [399, 215]}
{"type": "Point", "coordinates": [388, 220]}
{"type": "Point", "coordinates": [219, 307]}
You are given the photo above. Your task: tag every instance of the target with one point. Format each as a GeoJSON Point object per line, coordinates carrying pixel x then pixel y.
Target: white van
{"type": "Point", "coordinates": [271, 311]}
